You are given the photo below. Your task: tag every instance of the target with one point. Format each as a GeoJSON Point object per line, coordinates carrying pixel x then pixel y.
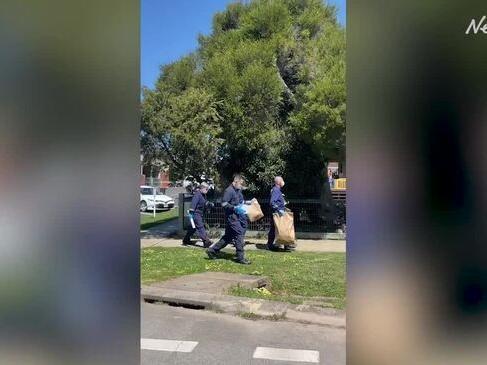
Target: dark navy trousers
{"type": "Point", "coordinates": [200, 228]}
{"type": "Point", "coordinates": [272, 234]}
{"type": "Point", "coordinates": [235, 229]}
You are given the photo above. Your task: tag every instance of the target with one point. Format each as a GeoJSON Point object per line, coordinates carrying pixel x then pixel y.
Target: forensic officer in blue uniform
{"type": "Point", "coordinates": [277, 206]}
{"type": "Point", "coordinates": [198, 206]}
{"type": "Point", "coordinates": [235, 221]}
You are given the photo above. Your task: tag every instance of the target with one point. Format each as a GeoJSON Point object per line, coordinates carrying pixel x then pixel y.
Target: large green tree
{"type": "Point", "coordinates": [183, 129]}
{"type": "Point", "coordinates": [264, 94]}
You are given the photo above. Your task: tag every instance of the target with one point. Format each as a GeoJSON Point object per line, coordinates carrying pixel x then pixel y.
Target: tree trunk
{"type": "Point", "coordinates": [287, 90]}
{"type": "Point", "coordinates": [327, 212]}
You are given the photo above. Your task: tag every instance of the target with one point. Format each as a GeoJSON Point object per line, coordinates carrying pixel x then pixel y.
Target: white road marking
{"type": "Point", "coordinates": [167, 345]}
{"type": "Point", "coordinates": [287, 354]}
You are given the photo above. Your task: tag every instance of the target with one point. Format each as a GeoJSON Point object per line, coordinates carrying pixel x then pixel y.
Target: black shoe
{"type": "Point", "coordinates": [211, 254]}
{"type": "Point", "coordinates": [243, 262]}
{"type": "Point", "coordinates": [186, 242]}
{"type": "Point", "coordinates": [272, 248]}
{"type": "Point", "coordinates": [207, 243]}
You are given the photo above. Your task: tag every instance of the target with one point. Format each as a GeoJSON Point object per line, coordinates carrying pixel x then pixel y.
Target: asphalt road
{"type": "Point", "coordinates": [172, 335]}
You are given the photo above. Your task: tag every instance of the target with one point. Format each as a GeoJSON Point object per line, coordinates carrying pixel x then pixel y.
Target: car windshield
{"type": "Point", "coordinates": [149, 191]}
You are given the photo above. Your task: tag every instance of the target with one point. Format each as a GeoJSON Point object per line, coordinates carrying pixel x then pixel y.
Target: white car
{"type": "Point", "coordinates": [147, 194]}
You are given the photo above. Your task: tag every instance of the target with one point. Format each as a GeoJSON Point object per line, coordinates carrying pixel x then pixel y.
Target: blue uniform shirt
{"type": "Point", "coordinates": [277, 200]}
{"type": "Point", "coordinates": [198, 203]}
{"type": "Point", "coordinates": [231, 198]}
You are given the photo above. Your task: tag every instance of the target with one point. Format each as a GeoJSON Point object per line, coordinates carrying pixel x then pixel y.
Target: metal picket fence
{"type": "Point", "coordinates": [308, 215]}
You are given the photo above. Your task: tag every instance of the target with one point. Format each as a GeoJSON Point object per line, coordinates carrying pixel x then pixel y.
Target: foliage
{"type": "Point", "coordinates": [264, 94]}
{"type": "Point", "coordinates": [185, 128]}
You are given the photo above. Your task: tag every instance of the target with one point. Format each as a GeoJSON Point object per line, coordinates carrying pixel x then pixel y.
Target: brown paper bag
{"type": "Point", "coordinates": [254, 212]}
{"type": "Point", "coordinates": [285, 234]}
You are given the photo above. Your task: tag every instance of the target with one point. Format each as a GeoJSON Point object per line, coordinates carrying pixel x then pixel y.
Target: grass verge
{"type": "Point", "coordinates": [294, 276]}
{"type": "Point", "coordinates": [148, 220]}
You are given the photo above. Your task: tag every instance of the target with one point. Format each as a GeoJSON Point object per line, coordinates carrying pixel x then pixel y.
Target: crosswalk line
{"type": "Point", "coordinates": [270, 353]}
{"type": "Point", "coordinates": [167, 345]}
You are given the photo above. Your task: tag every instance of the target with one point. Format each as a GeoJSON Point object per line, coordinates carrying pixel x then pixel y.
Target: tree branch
{"type": "Point", "coordinates": [169, 154]}
{"type": "Point", "coordinates": [287, 90]}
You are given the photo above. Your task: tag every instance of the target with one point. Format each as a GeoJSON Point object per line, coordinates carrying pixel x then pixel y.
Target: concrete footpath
{"type": "Point", "coordinates": [172, 229]}
{"type": "Point", "coordinates": [167, 229]}
{"type": "Point", "coordinates": [254, 244]}
{"type": "Point", "coordinates": [207, 291]}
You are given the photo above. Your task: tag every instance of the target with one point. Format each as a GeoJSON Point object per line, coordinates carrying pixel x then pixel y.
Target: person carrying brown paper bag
{"type": "Point", "coordinates": [254, 212]}
{"type": "Point", "coordinates": [278, 206]}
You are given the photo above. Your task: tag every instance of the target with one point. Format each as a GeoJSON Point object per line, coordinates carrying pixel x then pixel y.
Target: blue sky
{"type": "Point", "coordinates": [169, 30]}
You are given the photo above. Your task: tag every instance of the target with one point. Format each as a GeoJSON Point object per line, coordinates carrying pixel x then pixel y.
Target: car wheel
{"type": "Point", "coordinates": [143, 206]}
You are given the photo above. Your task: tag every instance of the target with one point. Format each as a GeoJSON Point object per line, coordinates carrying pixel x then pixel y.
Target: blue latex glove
{"type": "Point", "coordinates": [281, 213]}
{"type": "Point", "coordinates": [239, 210]}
